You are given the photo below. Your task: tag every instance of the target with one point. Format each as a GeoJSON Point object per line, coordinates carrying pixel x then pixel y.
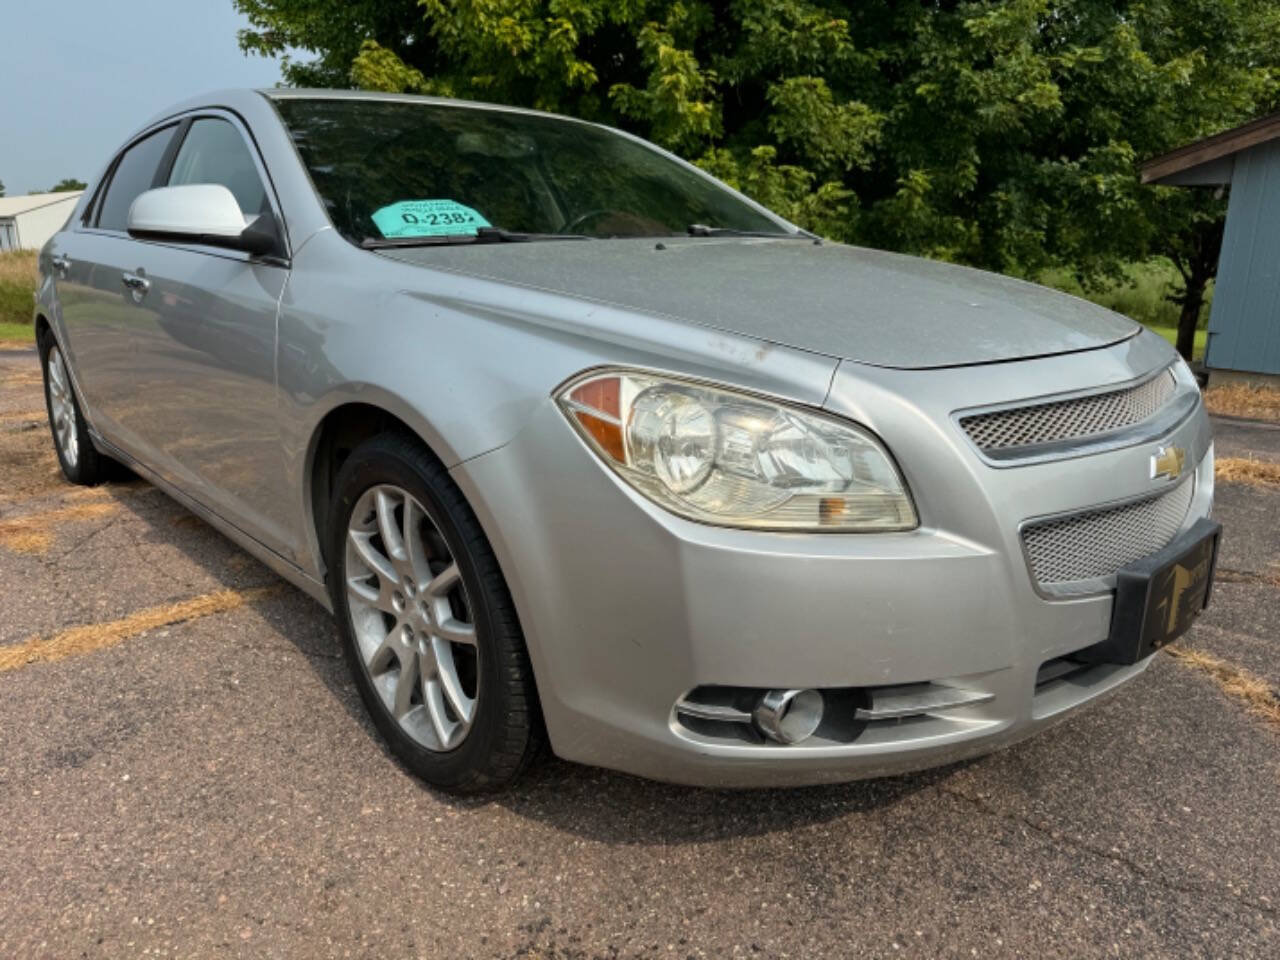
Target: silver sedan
{"type": "Point", "coordinates": [580, 445]}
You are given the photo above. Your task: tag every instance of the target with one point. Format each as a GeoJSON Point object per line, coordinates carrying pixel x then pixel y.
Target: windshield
{"type": "Point", "coordinates": [401, 170]}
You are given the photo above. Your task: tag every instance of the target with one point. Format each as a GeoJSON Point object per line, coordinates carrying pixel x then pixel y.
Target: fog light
{"type": "Point", "coordinates": [789, 716]}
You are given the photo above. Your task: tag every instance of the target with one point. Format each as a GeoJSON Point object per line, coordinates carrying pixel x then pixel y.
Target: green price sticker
{"type": "Point", "coordinates": [428, 218]}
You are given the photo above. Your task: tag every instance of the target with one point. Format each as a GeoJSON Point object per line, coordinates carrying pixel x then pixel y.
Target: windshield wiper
{"type": "Point", "coordinates": [482, 235]}
{"type": "Point", "coordinates": [702, 230]}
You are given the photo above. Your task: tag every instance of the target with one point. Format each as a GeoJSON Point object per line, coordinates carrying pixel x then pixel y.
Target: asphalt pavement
{"type": "Point", "coordinates": [186, 771]}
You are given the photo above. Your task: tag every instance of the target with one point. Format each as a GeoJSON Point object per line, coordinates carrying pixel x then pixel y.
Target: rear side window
{"type": "Point", "coordinates": [213, 151]}
{"type": "Point", "coordinates": [135, 173]}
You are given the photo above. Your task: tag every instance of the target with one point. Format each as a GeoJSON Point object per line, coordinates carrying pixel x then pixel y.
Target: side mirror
{"type": "Point", "coordinates": [201, 213]}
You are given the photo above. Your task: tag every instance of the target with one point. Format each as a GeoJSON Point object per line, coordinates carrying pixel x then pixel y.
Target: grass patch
{"type": "Point", "coordinates": [18, 266]}
{"type": "Point", "coordinates": [34, 533]}
{"type": "Point", "coordinates": [17, 287]}
{"type": "Point", "coordinates": [1237, 682]}
{"type": "Point", "coordinates": [1243, 400]}
{"type": "Point", "coordinates": [1257, 473]}
{"type": "Point", "coordinates": [17, 333]}
{"type": "Point", "coordinates": [1171, 334]}
{"type": "Point", "coordinates": [1142, 296]}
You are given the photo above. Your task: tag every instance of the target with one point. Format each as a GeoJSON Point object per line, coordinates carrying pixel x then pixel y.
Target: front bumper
{"type": "Point", "coordinates": [626, 608]}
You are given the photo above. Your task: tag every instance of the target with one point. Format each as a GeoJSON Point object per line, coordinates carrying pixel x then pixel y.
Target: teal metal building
{"type": "Point", "coordinates": [1244, 321]}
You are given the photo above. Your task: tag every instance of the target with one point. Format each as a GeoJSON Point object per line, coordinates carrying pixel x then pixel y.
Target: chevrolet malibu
{"type": "Point", "coordinates": [579, 444]}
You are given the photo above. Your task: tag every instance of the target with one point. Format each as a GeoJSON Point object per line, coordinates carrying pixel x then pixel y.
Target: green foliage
{"type": "Point", "coordinates": [20, 333]}
{"type": "Point", "coordinates": [784, 188]}
{"type": "Point", "coordinates": [1, 188]}
{"type": "Point", "coordinates": [377, 68]}
{"type": "Point", "coordinates": [1141, 292]}
{"type": "Point", "coordinates": [678, 102]}
{"type": "Point", "coordinates": [1001, 133]}
{"type": "Point", "coordinates": [68, 184]}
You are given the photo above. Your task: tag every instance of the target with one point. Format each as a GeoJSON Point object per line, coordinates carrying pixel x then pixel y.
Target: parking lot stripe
{"type": "Point", "coordinates": [100, 636]}
{"type": "Point", "coordinates": [23, 416]}
{"type": "Point", "coordinates": [1234, 681]}
{"type": "Point", "coordinates": [1222, 575]}
{"type": "Point", "coordinates": [24, 378]}
{"type": "Point", "coordinates": [34, 532]}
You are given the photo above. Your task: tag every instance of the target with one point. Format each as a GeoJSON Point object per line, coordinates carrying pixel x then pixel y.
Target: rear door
{"type": "Point", "coordinates": [205, 342]}
{"type": "Point", "coordinates": [89, 259]}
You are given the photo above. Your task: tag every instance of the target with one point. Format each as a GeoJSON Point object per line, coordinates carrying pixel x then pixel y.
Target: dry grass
{"type": "Point", "coordinates": [101, 636]}
{"type": "Point", "coordinates": [1258, 473]}
{"type": "Point", "coordinates": [1236, 682]}
{"type": "Point", "coordinates": [34, 532]}
{"type": "Point", "coordinates": [22, 417]}
{"type": "Point", "coordinates": [1243, 400]}
{"type": "Point", "coordinates": [1223, 575]}
{"type": "Point", "coordinates": [25, 378]}
{"type": "Point", "coordinates": [17, 283]}
{"type": "Point", "coordinates": [28, 466]}
{"type": "Point", "coordinates": [185, 520]}
{"type": "Point", "coordinates": [18, 266]}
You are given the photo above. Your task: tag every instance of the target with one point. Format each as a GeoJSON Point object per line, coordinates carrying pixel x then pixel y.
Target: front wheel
{"type": "Point", "coordinates": [429, 629]}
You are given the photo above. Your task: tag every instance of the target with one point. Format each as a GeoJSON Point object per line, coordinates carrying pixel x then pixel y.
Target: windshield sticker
{"type": "Point", "coordinates": [428, 218]}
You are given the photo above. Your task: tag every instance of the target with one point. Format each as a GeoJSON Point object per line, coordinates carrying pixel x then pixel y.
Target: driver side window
{"type": "Point", "coordinates": [136, 171]}
{"type": "Point", "coordinates": [213, 151]}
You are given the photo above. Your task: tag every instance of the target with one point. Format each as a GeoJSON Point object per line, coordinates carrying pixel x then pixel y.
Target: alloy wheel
{"type": "Point", "coordinates": [413, 625]}
{"type": "Point", "coordinates": [62, 409]}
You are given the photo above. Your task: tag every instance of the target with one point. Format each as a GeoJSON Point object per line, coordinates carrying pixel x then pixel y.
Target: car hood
{"type": "Point", "coordinates": [852, 303]}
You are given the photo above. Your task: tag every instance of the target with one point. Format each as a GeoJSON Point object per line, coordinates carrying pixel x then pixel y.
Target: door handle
{"type": "Point", "coordinates": [61, 264]}
{"type": "Point", "coordinates": [139, 285]}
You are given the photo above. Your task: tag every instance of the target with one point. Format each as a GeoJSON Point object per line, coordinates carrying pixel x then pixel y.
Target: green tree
{"type": "Point", "coordinates": [1000, 133]}
{"type": "Point", "coordinates": [67, 184]}
{"type": "Point", "coordinates": [1134, 86]}
{"type": "Point", "coordinates": [1, 188]}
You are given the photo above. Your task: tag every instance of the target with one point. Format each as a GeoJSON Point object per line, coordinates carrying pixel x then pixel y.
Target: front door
{"type": "Point", "coordinates": [206, 342]}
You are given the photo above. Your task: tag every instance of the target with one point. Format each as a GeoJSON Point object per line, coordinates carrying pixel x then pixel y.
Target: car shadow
{"type": "Point", "coordinates": [615, 808]}
{"type": "Point", "coordinates": [591, 803]}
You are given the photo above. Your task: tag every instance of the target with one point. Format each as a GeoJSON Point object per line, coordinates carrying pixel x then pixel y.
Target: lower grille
{"type": "Point", "coordinates": [1093, 544]}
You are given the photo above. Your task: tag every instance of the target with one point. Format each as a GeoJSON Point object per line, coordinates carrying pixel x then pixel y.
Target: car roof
{"type": "Point", "coordinates": [239, 99]}
{"type": "Point", "coordinates": [304, 93]}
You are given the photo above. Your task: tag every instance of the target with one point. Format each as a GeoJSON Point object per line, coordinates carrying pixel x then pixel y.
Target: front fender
{"type": "Point", "coordinates": [465, 361]}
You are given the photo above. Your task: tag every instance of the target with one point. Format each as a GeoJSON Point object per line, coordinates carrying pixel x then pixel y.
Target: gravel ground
{"type": "Point", "coordinates": [212, 787]}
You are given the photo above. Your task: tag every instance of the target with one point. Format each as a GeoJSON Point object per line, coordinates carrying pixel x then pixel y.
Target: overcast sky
{"type": "Point", "coordinates": [80, 75]}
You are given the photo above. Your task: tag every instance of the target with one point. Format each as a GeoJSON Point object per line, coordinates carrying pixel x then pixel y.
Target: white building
{"type": "Point", "coordinates": [27, 222]}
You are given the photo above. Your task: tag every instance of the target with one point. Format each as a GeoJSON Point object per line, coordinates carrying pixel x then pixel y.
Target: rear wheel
{"type": "Point", "coordinates": [80, 462]}
{"type": "Point", "coordinates": [428, 624]}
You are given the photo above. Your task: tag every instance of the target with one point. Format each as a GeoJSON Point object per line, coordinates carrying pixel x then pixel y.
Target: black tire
{"type": "Point", "coordinates": [506, 732]}
{"type": "Point", "coordinates": [90, 467]}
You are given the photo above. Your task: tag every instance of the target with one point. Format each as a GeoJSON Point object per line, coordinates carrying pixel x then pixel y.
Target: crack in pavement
{"type": "Point", "coordinates": [33, 533]}
{"type": "Point", "coordinates": [52, 560]}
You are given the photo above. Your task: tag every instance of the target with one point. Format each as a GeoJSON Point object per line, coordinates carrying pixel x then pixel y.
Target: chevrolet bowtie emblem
{"type": "Point", "coordinates": [1168, 462]}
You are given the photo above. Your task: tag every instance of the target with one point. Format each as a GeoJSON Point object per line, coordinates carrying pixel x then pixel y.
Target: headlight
{"type": "Point", "coordinates": [715, 455]}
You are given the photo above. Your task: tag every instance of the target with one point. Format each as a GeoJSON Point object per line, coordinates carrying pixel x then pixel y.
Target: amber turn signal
{"type": "Point", "coordinates": [597, 406]}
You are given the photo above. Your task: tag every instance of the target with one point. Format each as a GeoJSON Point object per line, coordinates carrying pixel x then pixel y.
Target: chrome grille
{"type": "Point", "coordinates": [1094, 544]}
{"type": "Point", "coordinates": [1071, 419]}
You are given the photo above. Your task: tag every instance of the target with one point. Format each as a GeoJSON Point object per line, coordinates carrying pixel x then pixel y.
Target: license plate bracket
{"type": "Point", "coordinates": [1160, 595]}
